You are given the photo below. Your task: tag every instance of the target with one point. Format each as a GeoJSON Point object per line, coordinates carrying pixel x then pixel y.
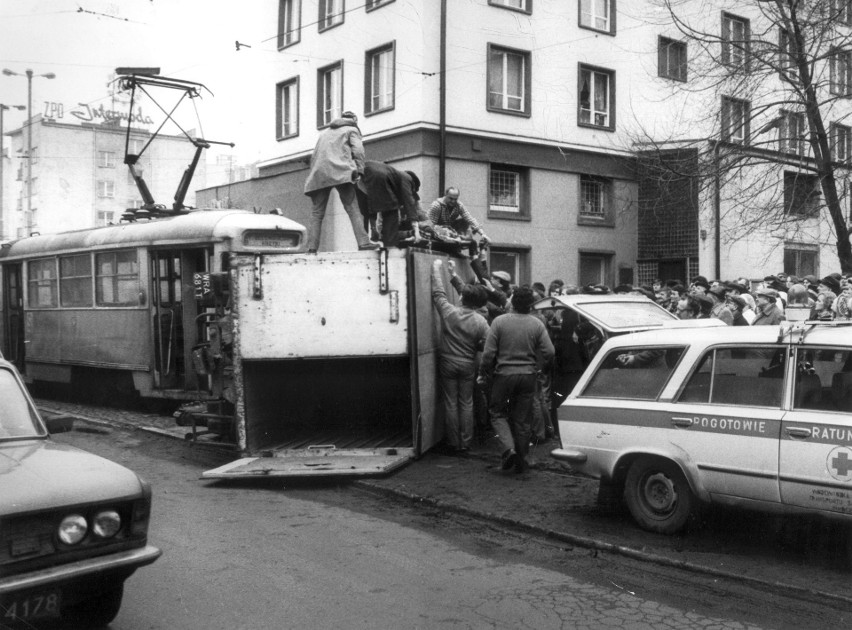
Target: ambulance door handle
{"type": "Point", "coordinates": [682, 422]}
{"type": "Point", "coordinates": [798, 432]}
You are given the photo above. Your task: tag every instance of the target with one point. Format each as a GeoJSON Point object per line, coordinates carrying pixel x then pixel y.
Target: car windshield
{"type": "Point", "coordinates": [625, 315]}
{"type": "Point", "coordinates": [17, 417]}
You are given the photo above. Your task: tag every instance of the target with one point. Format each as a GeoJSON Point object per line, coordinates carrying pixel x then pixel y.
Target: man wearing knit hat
{"type": "Point", "coordinates": [517, 347]}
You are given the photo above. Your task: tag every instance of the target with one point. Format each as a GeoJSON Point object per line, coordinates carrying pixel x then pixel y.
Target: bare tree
{"type": "Point", "coordinates": [767, 81]}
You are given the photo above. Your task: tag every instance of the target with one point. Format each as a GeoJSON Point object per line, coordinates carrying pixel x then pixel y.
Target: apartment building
{"type": "Point", "coordinates": [588, 136]}
{"type": "Point", "coordinates": [79, 178]}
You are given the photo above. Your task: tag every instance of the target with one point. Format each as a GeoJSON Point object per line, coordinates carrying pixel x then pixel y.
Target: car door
{"type": "Point", "coordinates": [815, 465]}
{"type": "Point", "coordinates": [726, 421]}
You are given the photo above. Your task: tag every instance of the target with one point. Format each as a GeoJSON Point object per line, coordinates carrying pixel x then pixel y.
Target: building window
{"type": "Point", "coordinates": [598, 15]}
{"type": "Point", "coordinates": [34, 154]}
{"type": "Point", "coordinates": [136, 145]}
{"type": "Point", "coordinates": [41, 283]}
{"type": "Point", "coordinates": [801, 195]}
{"type": "Point", "coordinates": [594, 268]}
{"type": "Point", "coordinates": [791, 135]}
{"type": "Point", "coordinates": [513, 260]}
{"type": "Point", "coordinates": [841, 11]}
{"type": "Point", "coordinates": [106, 189]}
{"type": "Point", "coordinates": [75, 280]}
{"type": "Point", "coordinates": [507, 192]}
{"type": "Point", "coordinates": [508, 81]}
{"type": "Point", "coordinates": [736, 33]}
{"type": "Point", "coordinates": [289, 22]}
{"type": "Point", "coordinates": [518, 5]}
{"type": "Point", "coordinates": [786, 60]}
{"type": "Point", "coordinates": [330, 13]}
{"type": "Point", "coordinates": [107, 217]}
{"type": "Point", "coordinates": [117, 278]}
{"type": "Point", "coordinates": [841, 143]}
{"type": "Point", "coordinates": [375, 4]}
{"type": "Point", "coordinates": [595, 201]}
{"type": "Point", "coordinates": [379, 79]}
{"type": "Point", "coordinates": [330, 97]}
{"type": "Point", "coordinates": [106, 159]}
{"type": "Point", "coordinates": [841, 67]}
{"type": "Point", "coordinates": [735, 120]}
{"type": "Point", "coordinates": [671, 59]}
{"type": "Point", "coordinates": [597, 98]}
{"type": "Point", "coordinates": [801, 260]}
{"type": "Point", "coordinates": [287, 109]}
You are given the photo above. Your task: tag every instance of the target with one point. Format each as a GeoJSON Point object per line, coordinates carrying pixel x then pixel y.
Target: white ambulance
{"type": "Point", "coordinates": [757, 417]}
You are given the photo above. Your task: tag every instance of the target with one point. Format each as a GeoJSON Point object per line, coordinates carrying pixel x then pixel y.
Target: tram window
{"type": "Point", "coordinates": [117, 278]}
{"type": "Point", "coordinates": [75, 280]}
{"type": "Point", "coordinates": [41, 278]}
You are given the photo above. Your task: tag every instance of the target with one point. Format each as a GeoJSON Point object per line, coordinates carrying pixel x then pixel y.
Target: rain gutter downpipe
{"type": "Point", "coordinates": [717, 211]}
{"type": "Point", "coordinates": [442, 123]}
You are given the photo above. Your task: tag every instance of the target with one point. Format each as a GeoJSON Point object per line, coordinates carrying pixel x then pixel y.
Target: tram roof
{"type": "Point", "coordinates": [200, 226]}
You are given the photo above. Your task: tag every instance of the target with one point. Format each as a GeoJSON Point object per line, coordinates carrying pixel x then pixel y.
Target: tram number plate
{"type": "Point", "coordinates": [44, 605]}
{"type": "Point", "coordinates": [270, 241]}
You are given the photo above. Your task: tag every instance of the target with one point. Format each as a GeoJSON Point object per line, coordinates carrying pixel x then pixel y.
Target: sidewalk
{"type": "Point", "coordinates": [549, 501]}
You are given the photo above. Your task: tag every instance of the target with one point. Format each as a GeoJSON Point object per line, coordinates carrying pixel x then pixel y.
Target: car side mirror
{"type": "Point", "coordinates": [59, 424]}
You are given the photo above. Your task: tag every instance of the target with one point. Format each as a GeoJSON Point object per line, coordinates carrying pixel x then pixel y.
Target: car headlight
{"type": "Point", "coordinates": [106, 524]}
{"type": "Point", "coordinates": [72, 529]}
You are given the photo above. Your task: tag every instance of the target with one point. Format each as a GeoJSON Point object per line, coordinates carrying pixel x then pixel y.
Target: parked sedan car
{"type": "Point", "coordinates": [757, 417]}
{"type": "Point", "coordinates": [73, 526]}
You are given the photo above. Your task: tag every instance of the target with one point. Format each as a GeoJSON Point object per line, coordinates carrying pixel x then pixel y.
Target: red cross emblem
{"type": "Point", "coordinates": [839, 463]}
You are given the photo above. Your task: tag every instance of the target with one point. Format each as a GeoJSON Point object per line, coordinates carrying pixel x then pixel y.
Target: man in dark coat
{"type": "Point", "coordinates": [336, 164]}
{"type": "Point", "coordinates": [388, 191]}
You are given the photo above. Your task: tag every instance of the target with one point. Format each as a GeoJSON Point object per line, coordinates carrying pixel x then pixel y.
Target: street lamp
{"type": "Point", "coordinates": [29, 74]}
{"type": "Point", "coordinates": [3, 108]}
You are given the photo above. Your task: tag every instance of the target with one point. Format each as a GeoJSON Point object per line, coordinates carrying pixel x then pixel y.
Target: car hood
{"type": "Point", "coordinates": [41, 474]}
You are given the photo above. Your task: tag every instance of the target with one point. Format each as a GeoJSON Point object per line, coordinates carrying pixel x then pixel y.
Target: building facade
{"type": "Point", "coordinates": [558, 121]}
{"type": "Point", "coordinates": [79, 178]}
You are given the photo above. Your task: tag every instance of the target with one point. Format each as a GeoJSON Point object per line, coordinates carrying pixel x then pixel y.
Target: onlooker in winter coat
{"type": "Point", "coordinates": [768, 313]}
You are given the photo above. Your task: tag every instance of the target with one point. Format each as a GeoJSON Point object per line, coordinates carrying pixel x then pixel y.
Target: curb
{"type": "Point", "coordinates": [591, 543]}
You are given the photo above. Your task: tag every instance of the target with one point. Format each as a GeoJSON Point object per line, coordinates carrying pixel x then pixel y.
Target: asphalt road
{"type": "Point", "coordinates": [270, 554]}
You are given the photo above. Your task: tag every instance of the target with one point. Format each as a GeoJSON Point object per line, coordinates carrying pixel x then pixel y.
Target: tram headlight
{"type": "Point", "coordinates": [72, 529]}
{"type": "Point", "coordinates": [106, 524]}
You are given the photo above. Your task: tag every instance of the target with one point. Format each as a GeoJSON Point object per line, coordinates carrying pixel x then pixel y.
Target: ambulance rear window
{"type": "Point", "coordinates": [740, 376]}
{"type": "Point", "coordinates": [634, 373]}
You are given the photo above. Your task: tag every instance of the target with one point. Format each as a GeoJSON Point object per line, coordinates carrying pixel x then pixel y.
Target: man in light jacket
{"type": "Point", "coordinates": [337, 163]}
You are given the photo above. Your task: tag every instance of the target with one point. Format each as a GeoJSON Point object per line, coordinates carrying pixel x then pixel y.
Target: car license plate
{"type": "Point", "coordinates": [43, 605]}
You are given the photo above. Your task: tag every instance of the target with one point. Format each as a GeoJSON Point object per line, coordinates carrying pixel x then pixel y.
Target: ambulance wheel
{"type": "Point", "coordinates": [658, 495]}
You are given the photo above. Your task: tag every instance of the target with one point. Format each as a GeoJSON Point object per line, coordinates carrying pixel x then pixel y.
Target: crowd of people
{"type": "Point", "coordinates": [741, 302]}
{"type": "Point", "coordinates": [525, 354]}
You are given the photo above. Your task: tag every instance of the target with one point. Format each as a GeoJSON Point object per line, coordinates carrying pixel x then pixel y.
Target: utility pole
{"type": "Point", "coordinates": [29, 74]}
{"type": "Point", "coordinates": [3, 224]}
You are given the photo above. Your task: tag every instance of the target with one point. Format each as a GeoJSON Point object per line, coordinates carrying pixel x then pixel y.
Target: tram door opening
{"type": "Point", "coordinates": [13, 315]}
{"type": "Point", "coordinates": [175, 311]}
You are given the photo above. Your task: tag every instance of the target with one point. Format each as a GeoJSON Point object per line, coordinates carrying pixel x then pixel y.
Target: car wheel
{"type": "Point", "coordinates": [658, 495]}
{"type": "Point", "coordinates": [96, 611]}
